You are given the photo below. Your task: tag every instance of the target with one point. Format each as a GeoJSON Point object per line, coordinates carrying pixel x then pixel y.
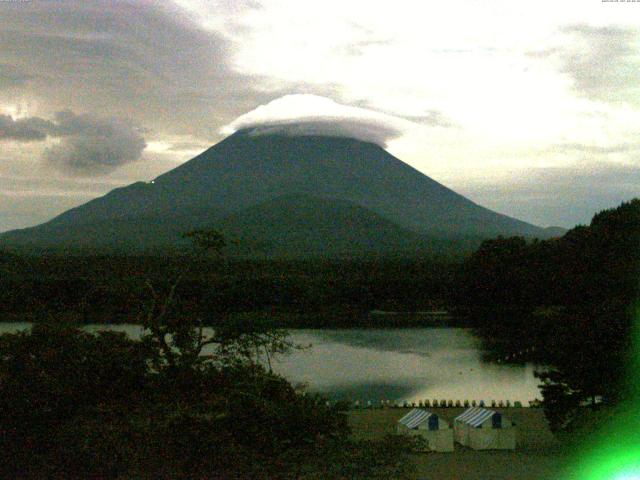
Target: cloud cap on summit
{"type": "Point", "coordinates": [306, 114]}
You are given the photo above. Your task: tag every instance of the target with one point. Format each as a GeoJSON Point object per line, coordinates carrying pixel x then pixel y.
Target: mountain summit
{"type": "Point", "coordinates": [283, 192]}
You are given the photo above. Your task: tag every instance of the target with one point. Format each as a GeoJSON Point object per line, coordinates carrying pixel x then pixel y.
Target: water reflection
{"type": "Point", "coordinates": [370, 392]}
{"type": "Point", "coordinates": [404, 364]}
{"type": "Point", "coordinates": [409, 340]}
{"type": "Point", "coordinates": [391, 364]}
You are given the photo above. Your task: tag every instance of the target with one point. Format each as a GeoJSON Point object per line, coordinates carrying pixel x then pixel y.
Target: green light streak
{"type": "Point", "coordinates": [613, 452]}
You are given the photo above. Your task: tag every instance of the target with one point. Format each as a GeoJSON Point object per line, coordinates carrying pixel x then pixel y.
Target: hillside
{"type": "Point", "coordinates": [272, 189]}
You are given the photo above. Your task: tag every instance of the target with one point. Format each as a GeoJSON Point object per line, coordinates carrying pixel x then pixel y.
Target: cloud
{"type": "Point", "coordinates": [431, 118]}
{"type": "Point", "coordinates": [86, 145]}
{"type": "Point", "coordinates": [603, 62]}
{"type": "Point", "coordinates": [360, 47]}
{"type": "Point", "coordinates": [11, 76]}
{"type": "Point", "coordinates": [24, 129]}
{"type": "Point", "coordinates": [146, 60]}
{"type": "Point", "coordinates": [93, 145]}
{"type": "Point", "coordinates": [306, 114]}
{"type": "Point", "coordinates": [596, 149]}
{"type": "Point", "coordinates": [564, 196]}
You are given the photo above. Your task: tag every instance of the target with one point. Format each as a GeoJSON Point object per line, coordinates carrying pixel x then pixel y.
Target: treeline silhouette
{"type": "Point", "coordinates": [568, 303]}
{"type": "Point", "coordinates": [319, 293]}
{"type": "Point", "coordinates": [78, 406]}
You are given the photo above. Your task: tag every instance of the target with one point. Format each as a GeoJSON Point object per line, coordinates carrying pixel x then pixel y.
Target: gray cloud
{"type": "Point", "coordinates": [587, 177]}
{"type": "Point", "coordinates": [23, 129]}
{"type": "Point", "coordinates": [87, 144]}
{"type": "Point", "coordinates": [92, 145]}
{"type": "Point", "coordinates": [603, 62]}
{"type": "Point", "coordinates": [144, 60]}
{"type": "Point", "coordinates": [564, 196]}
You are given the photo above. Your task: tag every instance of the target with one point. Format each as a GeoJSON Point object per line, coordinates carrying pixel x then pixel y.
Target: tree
{"type": "Point", "coordinates": [587, 281]}
{"type": "Point", "coordinates": [179, 341]}
{"type": "Point", "coordinates": [54, 373]}
{"type": "Point", "coordinates": [496, 275]}
{"type": "Point", "coordinates": [180, 403]}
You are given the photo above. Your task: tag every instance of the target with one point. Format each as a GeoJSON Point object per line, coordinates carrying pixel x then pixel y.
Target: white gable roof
{"type": "Point", "coordinates": [475, 416]}
{"type": "Point", "coordinates": [415, 417]}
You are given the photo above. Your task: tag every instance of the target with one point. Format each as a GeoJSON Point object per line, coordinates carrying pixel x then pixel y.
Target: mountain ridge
{"type": "Point", "coordinates": [245, 170]}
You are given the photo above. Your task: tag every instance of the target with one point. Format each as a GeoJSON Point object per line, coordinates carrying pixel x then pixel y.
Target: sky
{"type": "Point", "coordinates": [528, 108]}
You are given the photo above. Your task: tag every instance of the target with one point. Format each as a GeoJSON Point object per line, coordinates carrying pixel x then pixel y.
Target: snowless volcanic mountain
{"type": "Point", "coordinates": [280, 195]}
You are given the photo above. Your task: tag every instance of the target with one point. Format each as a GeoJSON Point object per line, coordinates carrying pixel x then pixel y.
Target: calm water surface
{"type": "Point", "coordinates": [392, 364]}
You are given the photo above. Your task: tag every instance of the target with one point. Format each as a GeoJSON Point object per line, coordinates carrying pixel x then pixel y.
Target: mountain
{"type": "Point", "coordinates": [283, 192]}
{"type": "Point", "coordinates": [318, 227]}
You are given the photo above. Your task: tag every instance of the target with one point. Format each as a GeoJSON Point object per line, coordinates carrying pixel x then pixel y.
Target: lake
{"type": "Point", "coordinates": [400, 364]}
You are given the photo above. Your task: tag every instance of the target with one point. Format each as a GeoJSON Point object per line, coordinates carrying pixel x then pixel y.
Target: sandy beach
{"type": "Point", "coordinates": [538, 455]}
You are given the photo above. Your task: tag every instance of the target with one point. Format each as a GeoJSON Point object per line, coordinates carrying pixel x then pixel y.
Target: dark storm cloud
{"type": "Point", "coordinates": [24, 129]}
{"type": "Point", "coordinates": [87, 144]}
{"type": "Point", "coordinates": [141, 60]}
{"type": "Point", "coordinates": [603, 62]}
{"type": "Point", "coordinates": [92, 145]}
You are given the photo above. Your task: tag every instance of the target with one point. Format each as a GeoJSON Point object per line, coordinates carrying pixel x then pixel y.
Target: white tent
{"type": "Point", "coordinates": [436, 432]}
{"type": "Point", "coordinates": [483, 429]}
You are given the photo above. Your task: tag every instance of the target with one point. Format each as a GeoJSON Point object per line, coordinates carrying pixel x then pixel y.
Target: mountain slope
{"type": "Point", "coordinates": [301, 225]}
{"type": "Point", "coordinates": [246, 170]}
{"type": "Point", "coordinates": [291, 226]}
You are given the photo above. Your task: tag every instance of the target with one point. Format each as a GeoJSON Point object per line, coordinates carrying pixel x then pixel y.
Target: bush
{"type": "Point", "coordinates": [77, 405]}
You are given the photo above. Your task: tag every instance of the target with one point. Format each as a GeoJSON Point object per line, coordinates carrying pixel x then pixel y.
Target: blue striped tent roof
{"type": "Point", "coordinates": [475, 416]}
{"type": "Point", "coordinates": [415, 417]}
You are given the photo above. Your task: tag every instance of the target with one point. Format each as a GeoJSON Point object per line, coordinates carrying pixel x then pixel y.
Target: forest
{"type": "Point", "coordinates": [318, 293]}
{"type": "Point", "coordinates": [77, 405]}
{"type": "Point", "coordinates": [569, 303]}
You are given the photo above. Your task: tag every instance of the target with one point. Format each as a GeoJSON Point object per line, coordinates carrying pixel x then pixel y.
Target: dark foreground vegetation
{"type": "Point", "coordinates": [177, 403]}
{"type": "Point", "coordinates": [568, 303]}
{"type": "Point", "coordinates": [77, 406]}
{"type": "Point", "coordinates": [314, 293]}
